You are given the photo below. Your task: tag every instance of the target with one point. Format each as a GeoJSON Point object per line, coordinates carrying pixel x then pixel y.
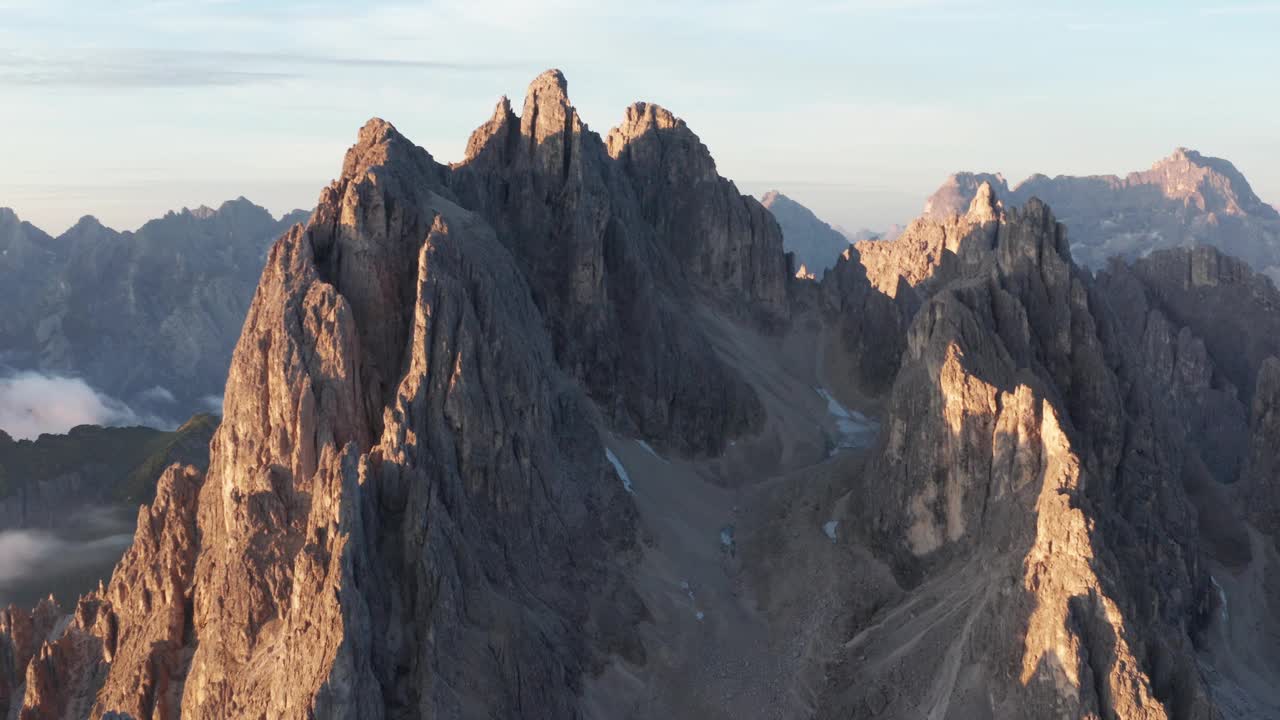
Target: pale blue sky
{"type": "Point", "coordinates": [858, 108]}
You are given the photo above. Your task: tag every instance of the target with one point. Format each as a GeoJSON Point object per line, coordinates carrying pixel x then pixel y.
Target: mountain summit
{"type": "Point", "coordinates": [816, 244]}
{"type": "Point", "coordinates": [551, 432]}
{"type": "Point", "coordinates": [1185, 199]}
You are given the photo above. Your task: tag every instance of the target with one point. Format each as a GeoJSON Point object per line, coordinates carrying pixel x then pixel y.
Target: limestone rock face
{"type": "Point", "coordinates": [615, 238]}
{"type": "Point", "coordinates": [816, 245]}
{"type": "Point", "coordinates": [408, 510]}
{"type": "Point", "coordinates": [1263, 473]}
{"type": "Point", "coordinates": [1020, 450]}
{"type": "Point", "coordinates": [22, 633]}
{"type": "Point", "coordinates": [126, 647]}
{"type": "Point", "coordinates": [876, 287]}
{"type": "Point", "coordinates": [1185, 199]}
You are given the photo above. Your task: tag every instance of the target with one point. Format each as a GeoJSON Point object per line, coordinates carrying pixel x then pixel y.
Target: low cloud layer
{"type": "Point", "coordinates": [32, 403]}
{"type": "Point", "coordinates": [66, 562]}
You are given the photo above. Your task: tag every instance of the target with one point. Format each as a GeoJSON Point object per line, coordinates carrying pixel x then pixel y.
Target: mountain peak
{"type": "Point", "coordinates": [550, 81]}
{"type": "Point", "coordinates": [985, 207]}
{"type": "Point", "coordinates": [816, 244]}
{"type": "Point", "coordinates": [379, 144]}
{"type": "Point", "coordinates": [1209, 183]}
{"type": "Point", "coordinates": [87, 223]}
{"type": "Point", "coordinates": [548, 95]}
{"type": "Point", "coordinates": [958, 190]}
{"type": "Point", "coordinates": [549, 120]}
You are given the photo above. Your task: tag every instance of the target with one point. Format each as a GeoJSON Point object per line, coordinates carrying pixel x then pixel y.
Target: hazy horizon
{"type": "Point", "coordinates": [855, 108]}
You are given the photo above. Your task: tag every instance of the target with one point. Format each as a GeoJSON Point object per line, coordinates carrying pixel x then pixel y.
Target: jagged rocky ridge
{"type": "Point", "coordinates": [1079, 448]}
{"type": "Point", "coordinates": [409, 511]}
{"type": "Point", "coordinates": [405, 383]}
{"type": "Point", "coordinates": [1184, 200]}
{"type": "Point", "coordinates": [148, 317]}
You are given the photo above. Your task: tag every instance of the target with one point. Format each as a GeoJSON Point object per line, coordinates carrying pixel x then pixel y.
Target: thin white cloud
{"type": "Point", "coordinates": [139, 68]}
{"type": "Point", "coordinates": [67, 561]}
{"type": "Point", "coordinates": [32, 404]}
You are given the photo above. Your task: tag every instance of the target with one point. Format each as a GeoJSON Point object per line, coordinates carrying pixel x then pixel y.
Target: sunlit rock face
{"type": "Point", "coordinates": [1184, 200]}
{"type": "Point", "coordinates": [408, 510]}
{"type": "Point", "coordinates": [1021, 452]}
{"type": "Point", "coordinates": [411, 510]}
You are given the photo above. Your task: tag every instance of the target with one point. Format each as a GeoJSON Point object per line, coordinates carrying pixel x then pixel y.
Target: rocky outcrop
{"type": "Point", "coordinates": [1263, 468]}
{"type": "Point", "coordinates": [876, 287]}
{"type": "Point", "coordinates": [149, 317]}
{"type": "Point", "coordinates": [22, 633]}
{"type": "Point", "coordinates": [616, 237]}
{"type": "Point", "coordinates": [1021, 460]}
{"type": "Point", "coordinates": [126, 646]}
{"type": "Point", "coordinates": [816, 245]}
{"type": "Point", "coordinates": [408, 510]}
{"type": "Point", "coordinates": [1186, 199]}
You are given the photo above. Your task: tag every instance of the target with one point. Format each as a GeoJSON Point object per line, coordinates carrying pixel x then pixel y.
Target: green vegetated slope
{"type": "Point", "coordinates": [123, 462]}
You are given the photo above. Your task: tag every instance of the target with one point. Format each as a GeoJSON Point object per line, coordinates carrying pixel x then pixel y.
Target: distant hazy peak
{"type": "Point", "coordinates": [88, 223]}
{"type": "Point", "coordinates": [958, 191]}
{"type": "Point", "coordinates": [772, 197]}
{"type": "Point", "coordinates": [1214, 184]}
{"type": "Point", "coordinates": [1184, 199]}
{"type": "Point", "coordinates": [816, 244]}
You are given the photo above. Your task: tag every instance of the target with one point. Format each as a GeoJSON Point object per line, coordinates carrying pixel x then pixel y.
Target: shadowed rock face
{"type": "Point", "coordinates": [1185, 199]}
{"type": "Point", "coordinates": [616, 237]}
{"type": "Point", "coordinates": [816, 244]}
{"type": "Point", "coordinates": [130, 312]}
{"type": "Point", "coordinates": [408, 510]}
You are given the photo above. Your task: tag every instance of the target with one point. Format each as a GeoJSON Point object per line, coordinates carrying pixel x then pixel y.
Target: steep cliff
{"type": "Point", "coordinates": [408, 510]}
{"type": "Point", "coordinates": [1021, 462]}
{"type": "Point", "coordinates": [550, 433]}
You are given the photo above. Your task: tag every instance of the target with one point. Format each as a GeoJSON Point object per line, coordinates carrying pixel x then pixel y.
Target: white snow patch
{"type": "Point", "coordinates": [1222, 597]}
{"type": "Point", "coordinates": [856, 430]}
{"type": "Point", "coordinates": [829, 528]}
{"type": "Point", "coordinates": [688, 590]}
{"type": "Point", "coordinates": [652, 452]}
{"type": "Point", "coordinates": [622, 472]}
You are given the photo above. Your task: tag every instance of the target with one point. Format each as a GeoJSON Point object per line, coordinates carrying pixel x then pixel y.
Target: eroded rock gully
{"type": "Point", "coordinates": [550, 432]}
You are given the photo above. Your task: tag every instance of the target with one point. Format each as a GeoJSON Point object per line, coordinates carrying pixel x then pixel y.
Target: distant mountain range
{"type": "Point", "coordinates": [1184, 200]}
{"type": "Point", "coordinates": [148, 317]}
